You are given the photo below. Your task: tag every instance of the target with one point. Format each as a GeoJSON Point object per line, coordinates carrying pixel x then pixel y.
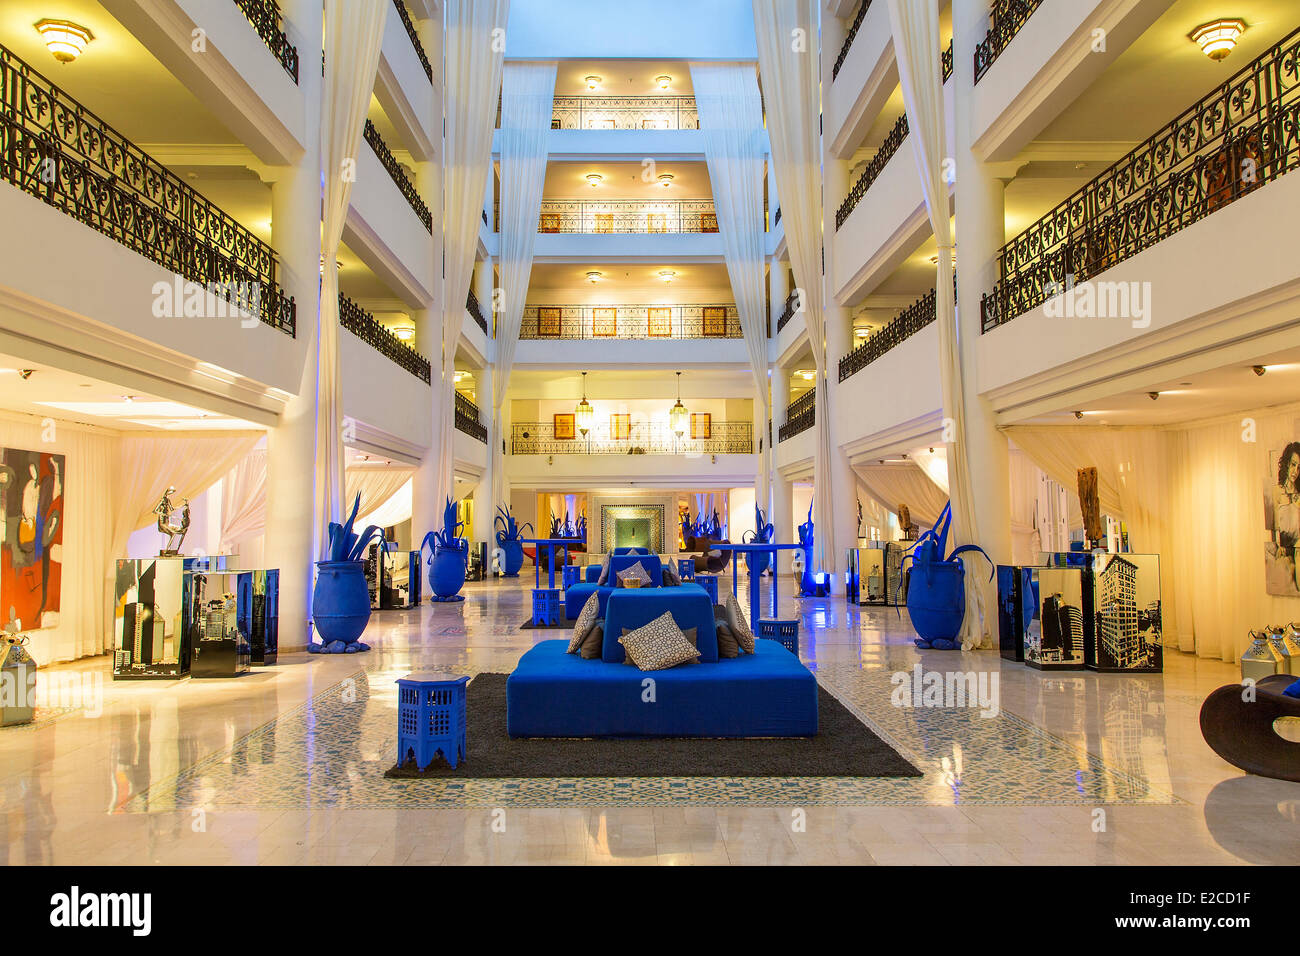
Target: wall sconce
{"type": "Point", "coordinates": [550, 459]}
{"type": "Point", "coordinates": [592, 81]}
{"type": "Point", "coordinates": [663, 81]}
{"type": "Point", "coordinates": [65, 39]}
{"type": "Point", "coordinates": [1218, 37]}
{"type": "Point", "coordinates": [714, 459]}
{"type": "Point", "coordinates": [594, 179]}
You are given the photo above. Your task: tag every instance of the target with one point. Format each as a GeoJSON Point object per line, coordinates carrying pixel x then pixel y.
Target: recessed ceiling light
{"type": "Point", "coordinates": [1218, 37]}
{"type": "Point", "coordinates": [65, 39]}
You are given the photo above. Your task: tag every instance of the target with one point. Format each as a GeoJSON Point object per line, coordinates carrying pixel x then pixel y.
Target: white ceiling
{"type": "Point", "coordinates": [631, 282]}
{"type": "Point", "coordinates": [621, 77]}
{"type": "Point", "coordinates": [568, 180]}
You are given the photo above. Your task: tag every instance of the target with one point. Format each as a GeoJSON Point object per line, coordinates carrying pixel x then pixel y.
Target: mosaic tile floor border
{"type": "Point", "coordinates": [1005, 761]}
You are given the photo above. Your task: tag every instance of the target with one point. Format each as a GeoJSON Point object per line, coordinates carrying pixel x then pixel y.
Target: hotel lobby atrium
{"type": "Point", "coordinates": [753, 432]}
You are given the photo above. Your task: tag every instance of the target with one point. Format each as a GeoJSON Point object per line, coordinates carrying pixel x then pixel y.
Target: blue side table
{"type": "Point", "coordinates": [571, 573]}
{"type": "Point", "coordinates": [710, 583]}
{"type": "Point", "coordinates": [686, 569]}
{"type": "Point", "coordinates": [547, 603]}
{"type": "Point", "coordinates": [431, 717]}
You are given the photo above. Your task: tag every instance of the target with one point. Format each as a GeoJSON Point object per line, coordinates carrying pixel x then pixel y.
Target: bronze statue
{"type": "Point", "coordinates": [166, 525]}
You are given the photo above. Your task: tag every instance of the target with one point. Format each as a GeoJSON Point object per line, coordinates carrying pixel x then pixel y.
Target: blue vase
{"type": "Point", "coordinates": [514, 557]}
{"type": "Point", "coordinates": [936, 599]}
{"type": "Point", "coordinates": [447, 571]}
{"type": "Point", "coordinates": [340, 604]}
{"type": "Point", "coordinates": [807, 584]}
{"type": "Point", "coordinates": [757, 561]}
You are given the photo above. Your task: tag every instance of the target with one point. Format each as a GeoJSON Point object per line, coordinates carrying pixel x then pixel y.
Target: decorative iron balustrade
{"type": "Point", "coordinates": [398, 175]}
{"type": "Point", "coordinates": [878, 162]}
{"type": "Point", "coordinates": [476, 311]}
{"type": "Point", "coordinates": [628, 216]}
{"type": "Point", "coordinates": [268, 22]}
{"type": "Point", "coordinates": [788, 312]}
{"type": "Point", "coordinates": [643, 438]}
{"type": "Point", "coordinates": [800, 415]}
{"type": "Point", "coordinates": [897, 330]}
{"type": "Point", "coordinates": [468, 420]}
{"type": "Point", "coordinates": [55, 149]}
{"type": "Point", "coordinates": [1243, 134]}
{"type": "Point", "coordinates": [719, 321]}
{"type": "Point", "coordinates": [415, 39]}
{"type": "Point", "coordinates": [1005, 21]}
{"type": "Point", "coordinates": [624, 112]}
{"type": "Point", "coordinates": [848, 39]}
{"type": "Point", "coordinates": [776, 219]}
{"type": "Point", "coordinates": [945, 62]}
{"type": "Point", "coordinates": [365, 327]}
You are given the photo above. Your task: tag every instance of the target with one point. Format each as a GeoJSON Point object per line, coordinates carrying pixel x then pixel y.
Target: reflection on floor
{"type": "Point", "coordinates": [285, 766]}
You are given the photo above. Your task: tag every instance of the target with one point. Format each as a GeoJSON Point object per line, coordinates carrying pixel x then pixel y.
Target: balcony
{"type": "Point", "coordinates": [405, 17]}
{"type": "Point", "coordinates": [878, 162]}
{"type": "Point", "coordinates": [624, 112]}
{"type": "Point", "coordinates": [788, 312]}
{"type": "Point", "coordinates": [267, 20]}
{"type": "Point", "coordinates": [630, 322]}
{"type": "Point", "coordinates": [628, 217]}
{"type": "Point", "coordinates": [1231, 142]}
{"type": "Point", "coordinates": [1006, 19]}
{"type": "Point", "coordinates": [365, 327]}
{"type": "Point", "coordinates": [476, 312]}
{"type": "Point", "coordinates": [848, 40]}
{"type": "Point", "coordinates": [56, 150]}
{"type": "Point", "coordinates": [799, 416]}
{"type": "Point", "coordinates": [468, 420]}
{"type": "Point", "coordinates": [398, 175]}
{"type": "Point", "coordinates": [724, 438]}
{"type": "Point", "coordinates": [896, 331]}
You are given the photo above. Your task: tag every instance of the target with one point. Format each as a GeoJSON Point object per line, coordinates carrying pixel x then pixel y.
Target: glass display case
{"type": "Point", "coordinates": [392, 577]}
{"type": "Point", "coordinates": [1054, 633]}
{"type": "Point", "coordinates": [1016, 603]}
{"type": "Point", "coordinates": [1123, 631]}
{"type": "Point", "coordinates": [260, 615]}
{"type": "Point", "coordinates": [219, 615]}
{"type": "Point", "coordinates": [149, 637]}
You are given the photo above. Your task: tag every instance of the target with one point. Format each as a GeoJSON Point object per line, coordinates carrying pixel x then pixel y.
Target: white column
{"type": "Point", "coordinates": [778, 280]}
{"type": "Point", "coordinates": [981, 232]}
{"type": "Point", "coordinates": [291, 445]}
{"type": "Point", "coordinates": [426, 513]}
{"type": "Point", "coordinates": [782, 488]}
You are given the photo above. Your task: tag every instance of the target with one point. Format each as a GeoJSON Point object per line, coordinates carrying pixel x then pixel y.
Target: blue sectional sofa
{"type": "Point", "coordinates": [576, 595]}
{"type": "Point", "coordinates": [765, 694]}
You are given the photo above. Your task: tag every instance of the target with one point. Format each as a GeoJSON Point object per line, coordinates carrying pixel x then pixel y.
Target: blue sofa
{"type": "Point", "coordinates": [765, 694]}
{"type": "Point", "coordinates": [576, 595]}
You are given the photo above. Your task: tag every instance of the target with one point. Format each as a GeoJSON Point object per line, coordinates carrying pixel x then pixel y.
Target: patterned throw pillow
{"type": "Point", "coordinates": [604, 571]}
{"type": "Point", "coordinates": [658, 645]}
{"type": "Point", "coordinates": [739, 626]}
{"type": "Point", "coordinates": [637, 572]}
{"type": "Point", "coordinates": [594, 643]}
{"type": "Point", "coordinates": [586, 618]}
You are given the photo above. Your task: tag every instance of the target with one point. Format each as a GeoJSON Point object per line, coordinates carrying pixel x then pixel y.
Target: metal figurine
{"type": "Point", "coordinates": [166, 525]}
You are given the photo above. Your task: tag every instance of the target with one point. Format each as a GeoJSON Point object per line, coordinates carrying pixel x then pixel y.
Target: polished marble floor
{"type": "Point", "coordinates": [286, 765]}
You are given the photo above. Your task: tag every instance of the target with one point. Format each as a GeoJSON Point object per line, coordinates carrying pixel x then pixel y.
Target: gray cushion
{"type": "Point", "coordinates": [594, 642]}
{"type": "Point", "coordinates": [739, 626]}
{"type": "Point", "coordinates": [582, 626]}
{"type": "Point", "coordinates": [659, 645]}
{"type": "Point", "coordinates": [728, 646]}
{"type": "Point", "coordinates": [604, 571]}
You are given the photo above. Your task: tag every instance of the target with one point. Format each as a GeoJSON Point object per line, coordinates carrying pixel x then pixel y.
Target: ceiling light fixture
{"type": "Point", "coordinates": [1078, 414]}
{"type": "Point", "coordinates": [1258, 369]}
{"type": "Point", "coordinates": [665, 179]}
{"type": "Point", "coordinates": [592, 81]}
{"type": "Point", "coordinates": [1218, 37]}
{"type": "Point", "coordinates": [404, 332]}
{"type": "Point", "coordinates": [663, 81]}
{"type": "Point", "coordinates": [25, 373]}
{"type": "Point", "coordinates": [65, 39]}
{"type": "Point", "coordinates": [582, 415]}
{"type": "Point", "coordinates": [667, 275]}
{"type": "Point", "coordinates": [677, 415]}
{"type": "Point", "coordinates": [1153, 395]}
{"type": "Point", "coordinates": [593, 277]}
{"type": "Point", "coordinates": [860, 333]}
{"type": "Point", "coordinates": [594, 179]}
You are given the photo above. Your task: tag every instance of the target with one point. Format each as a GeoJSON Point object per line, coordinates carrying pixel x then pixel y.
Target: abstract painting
{"type": "Point", "coordinates": [31, 539]}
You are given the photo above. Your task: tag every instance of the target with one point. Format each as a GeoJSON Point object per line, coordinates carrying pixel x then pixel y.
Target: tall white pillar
{"type": "Point", "coordinates": [426, 511]}
{"type": "Point", "coordinates": [782, 487]}
{"type": "Point", "coordinates": [291, 445]}
{"type": "Point", "coordinates": [981, 231]}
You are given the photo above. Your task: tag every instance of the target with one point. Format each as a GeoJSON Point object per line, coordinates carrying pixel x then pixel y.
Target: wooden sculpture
{"type": "Point", "coordinates": [1090, 504]}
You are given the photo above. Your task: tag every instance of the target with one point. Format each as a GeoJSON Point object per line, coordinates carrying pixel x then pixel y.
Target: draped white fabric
{"type": "Point", "coordinates": [472, 58]}
{"type": "Point", "coordinates": [731, 126]}
{"type": "Point", "coordinates": [916, 42]}
{"type": "Point", "coordinates": [393, 511]}
{"type": "Point", "coordinates": [376, 487]}
{"type": "Point", "coordinates": [791, 90]}
{"type": "Point", "coordinates": [1025, 540]}
{"type": "Point", "coordinates": [243, 499]}
{"type": "Point", "coordinates": [354, 33]}
{"type": "Point", "coordinates": [903, 483]}
{"type": "Point", "coordinates": [527, 96]}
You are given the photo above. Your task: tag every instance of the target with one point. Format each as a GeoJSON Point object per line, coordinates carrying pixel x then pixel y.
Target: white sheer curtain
{"type": "Point", "coordinates": [475, 31]}
{"type": "Point", "coordinates": [393, 511]}
{"type": "Point", "coordinates": [354, 32]}
{"type": "Point", "coordinates": [731, 125]}
{"type": "Point", "coordinates": [527, 96]}
{"type": "Point", "coordinates": [376, 486]}
{"type": "Point", "coordinates": [243, 499]}
{"type": "Point", "coordinates": [915, 28]}
{"type": "Point", "coordinates": [791, 90]}
{"type": "Point", "coordinates": [903, 483]}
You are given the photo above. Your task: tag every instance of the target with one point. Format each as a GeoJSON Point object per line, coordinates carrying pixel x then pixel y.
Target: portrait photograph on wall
{"type": "Point", "coordinates": [31, 539]}
{"type": "Point", "coordinates": [1282, 517]}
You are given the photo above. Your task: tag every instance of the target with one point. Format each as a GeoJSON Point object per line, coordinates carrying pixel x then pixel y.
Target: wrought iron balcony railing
{"type": "Point", "coordinates": [1005, 21]}
{"type": "Point", "coordinates": [398, 175]}
{"type": "Point", "coordinates": [476, 312]}
{"type": "Point", "coordinates": [415, 39]}
{"type": "Point", "coordinates": [800, 416]}
{"type": "Point", "coordinates": [365, 327]}
{"type": "Point", "coordinates": [901, 327]}
{"type": "Point", "coordinates": [633, 438]}
{"type": "Point", "coordinates": [788, 312]}
{"type": "Point", "coordinates": [1243, 134]}
{"type": "Point", "coordinates": [874, 168]}
{"type": "Point", "coordinates": [468, 419]}
{"type": "Point", "coordinates": [848, 39]}
{"type": "Point", "coordinates": [628, 216]}
{"type": "Point", "coordinates": [266, 19]}
{"type": "Point", "coordinates": [945, 62]}
{"type": "Point", "coordinates": [624, 112]}
{"type": "Point", "coordinates": [55, 149]}
{"type": "Point", "coordinates": [720, 321]}
{"type": "Point", "coordinates": [776, 218]}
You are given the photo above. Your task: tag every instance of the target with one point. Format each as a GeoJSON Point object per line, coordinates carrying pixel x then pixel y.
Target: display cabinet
{"type": "Point", "coordinates": [219, 610]}
{"type": "Point", "coordinates": [392, 577]}
{"type": "Point", "coordinates": [1054, 631]}
{"type": "Point", "coordinates": [149, 638]}
{"type": "Point", "coordinates": [1016, 603]}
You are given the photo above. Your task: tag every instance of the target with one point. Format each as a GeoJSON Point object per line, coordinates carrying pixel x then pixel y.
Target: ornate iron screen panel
{"type": "Point", "coordinates": [643, 438]}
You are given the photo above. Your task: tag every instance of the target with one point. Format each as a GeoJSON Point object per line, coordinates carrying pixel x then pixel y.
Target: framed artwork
{"type": "Point", "coordinates": [709, 222]}
{"type": "Point", "coordinates": [715, 321]}
{"type": "Point", "coordinates": [548, 321]}
{"type": "Point", "coordinates": [1282, 518]}
{"type": "Point", "coordinates": [564, 426]}
{"type": "Point", "coordinates": [550, 222]}
{"type": "Point", "coordinates": [659, 321]}
{"type": "Point", "coordinates": [701, 425]}
{"type": "Point", "coordinates": [31, 539]}
{"type": "Point", "coordinates": [604, 322]}
{"type": "Point", "coordinates": [620, 426]}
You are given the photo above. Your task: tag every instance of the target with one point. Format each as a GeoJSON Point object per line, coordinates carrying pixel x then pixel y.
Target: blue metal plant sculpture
{"type": "Point", "coordinates": [510, 540]}
{"type": "Point", "coordinates": [448, 552]}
